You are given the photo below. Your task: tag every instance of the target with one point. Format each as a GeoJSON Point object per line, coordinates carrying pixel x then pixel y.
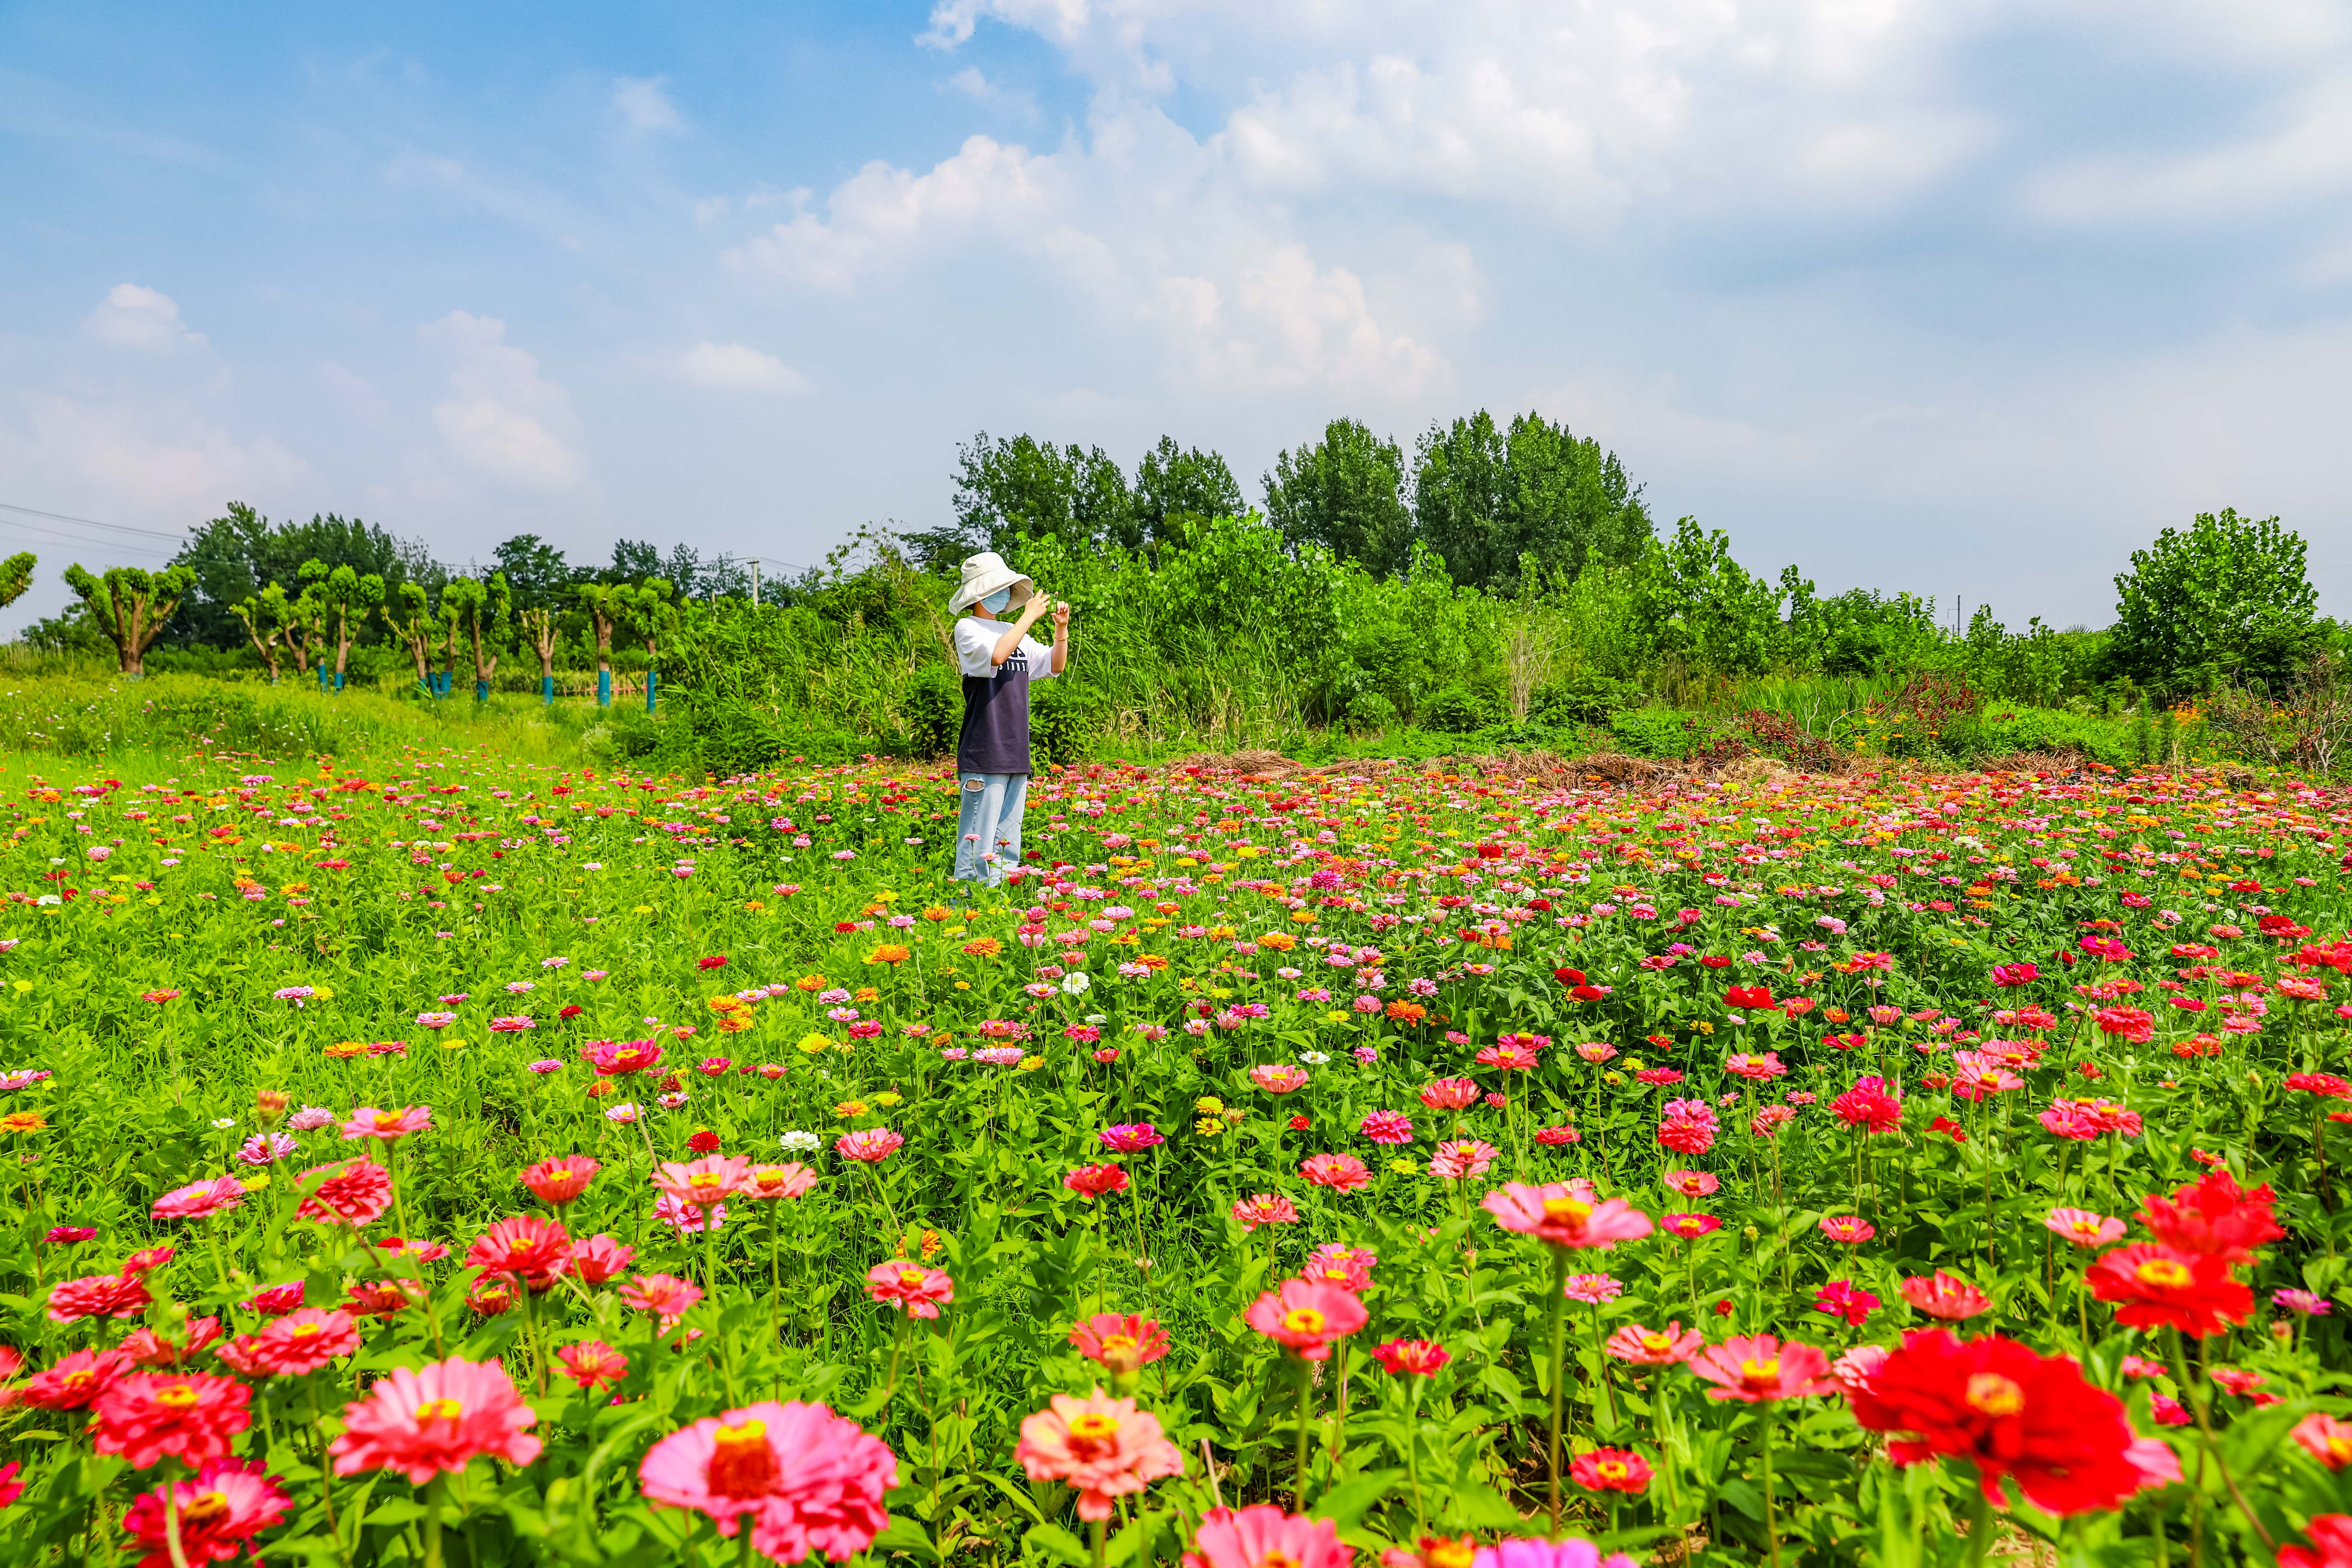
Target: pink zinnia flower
{"type": "Point", "coordinates": [1844, 1298]}
{"type": "Point", "coordinates": [1265, 1208]}
{"type": "Point", "coordinates": [1306, 1316]}
{"type": "Point", "coordinates": [355, 1191]}
{"type": "Point", "coordinates": [1689, 1227]}
{"type": "Point", "coordinates": [1530, 1552]}
{"type": "Point", "coordinates": [219, 1512]}
{"type": "Point", "coordinates": [1450, 1094]}
{"type": "Point", "coordinates": [790, 1180]}
{"type": "Point", "coordinates": [1104, 1448]}
{"type": "Point", "coordinates": [1119, 1343]}
{"type": "Point", "coordinates": [560, 1181]}
{"type": "Point", "coordinates": [809, 1480]}
{"type": "Point", "coordinates": [666, 1295]}
{"type": "Point", "coordinates": [390, 1126]}
{"type": "Point", "coordinates": [1460, 1159]}
{"type": "Point", "coordinates": [1754, 1369]}
{"type": "Point", "coordinates": [97, 1296]}
{"type": "Point", "coordinates": [1277, 1079]}
{"type": "Point", "coordinates": [1941, 1295]}
{"type": "Point", "coordinates": [1349, 1268]}
{"type": "Point", "coordinates": [198, 1199]}
{"type": "Point", "coordinates": [2083, 1227]}
{"type": "Point", "coordinates": [527, 1247]}
{"type": "Point", "coordinates": [1692, 1183]}
{"type": "Point", "coordinates": [592, 1365]}
{"type": "Point", "coordinates": [1387, 1127]}
{"type": "Point", "coordinates": [78, 1378]}
{"type": "Point", "coordinates": [599, 1258]}
{"type": "Point", "coordinates": [1654, 1347]}
{"type": "Point", "coordinates": [1128, 1137]}
{"type": "Point", "coordinates": [435, 1420]}
{"type": "Point", "coordinates": [1854, 1370]}
{"type": "Point", "coordinates": [1565, 1213]}
{"type": "Point", "coordinates": [1341, 1172]}
{"type": "Point", "coordinates": [868, 1146]}
{"type": "Point", "coordinates": [1592, 1289]}
{"type": "Point", "coordinates": [1688, 1127]}
{"type": "Point", "coordinates": [1262, 1536]}
{"type": "Point", "coordinates": [1758, 1067]}
{"type": "Point", "coordinates": [302, 1342]}
{"type": "Point", "coordinates": [1611, 1470]}
{"type": "Point", "coordinates": [620, 1060]}
{"type": "Point", "coordinates": [702, 1182]}
{"type": "Point", "coordinates": [910, 1286]}
{"type": "Point", "coordinates": [1852, 1229]}
{"type": "Point", "coordinates": [148, 1414]}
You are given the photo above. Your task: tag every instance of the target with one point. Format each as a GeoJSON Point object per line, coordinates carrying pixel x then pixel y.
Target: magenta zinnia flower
{"type": "Point", "coordinates": [1758, 1368]}
{"type": "Point", "coordinates": [1565, 1213]}
{"type": "Point", "coordinates": [436, 1419]}
{"type": "Point", "coordinates": [198, 1199]}
{"type": "Point", "coordinates": [390, 1126]}
{"type": "Point", "coordinates": [810, 1482]}
{"type": "Point", "coordinates": [868, 1146]}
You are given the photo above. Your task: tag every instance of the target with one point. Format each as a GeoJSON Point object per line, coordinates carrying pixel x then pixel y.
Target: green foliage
{"type": "Point", "coordinates": [130, 606]}
{"type": "Point", "coordinates": [1486, 499]}
{"type": "Point", "coordinates": [1345, 494]}
{"type": "Point", "coordinates": [1694, 603]}
{"type": "Point", "coordinates": [1455, 710]}
{"type": "Point", "coordinates": [1065, 718]}
{"type": "Point", "coordinates": [17, 576]}
{"type": "Point", "coordinates": [2227, 600]}
{"type": "Point", "coordinates": [234, 556]}
{"type": "Point", "coordinates": [1587, 699]}
{"type": "Point", "coordinates": [1662, 732]}
{"type": "Point", "coordinates": [934, 711]}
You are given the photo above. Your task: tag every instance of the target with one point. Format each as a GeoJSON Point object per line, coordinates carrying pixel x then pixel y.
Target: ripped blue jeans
{"type": "Point", "coordinates": [988, 825]}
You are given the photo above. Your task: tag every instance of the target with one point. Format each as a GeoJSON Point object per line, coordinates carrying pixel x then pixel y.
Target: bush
{"type": "Point", "coordinates": [1370, 714]}
{"type": "Point", "coordinates": [1659, 732]}
{"type": "Point", "coordinates": [1454, 710]}
{"type": "Point", "coordinates": [934, 711]}
{"type": "Point", "coordinates": [1584, 699]}
{"type": "Point", "coordinates": [1063, 718]}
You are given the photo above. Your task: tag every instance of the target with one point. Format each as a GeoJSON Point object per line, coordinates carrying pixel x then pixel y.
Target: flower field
{"type": "Point", "coordinates": [442, 1158]}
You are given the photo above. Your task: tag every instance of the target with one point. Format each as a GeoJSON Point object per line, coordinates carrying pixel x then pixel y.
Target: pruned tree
{"type": "Point", "coordinates": [540, 629]}
{"type": "Point", "coordinates": [650, 609]}
{"type": "Point", "coordinates": [17, 576]}
{"type": "Point", "coordinates": [413, 625]}
{"type": "Point", "coordinates": [265, 616]}
{"type": "Point", "coordinates": [130, 606]}
{"type": "Point", "coordinates": [347, 598]}
{"type": "Point", "coordinates": [476, 608]}
{"type": "Point", "coordinates": [306, 626]}
{"type": "Point", "coordinates": [607, 605]}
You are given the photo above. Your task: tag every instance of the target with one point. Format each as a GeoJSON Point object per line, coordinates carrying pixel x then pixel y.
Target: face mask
{"type": "Point", "coordinates": [996, 603]}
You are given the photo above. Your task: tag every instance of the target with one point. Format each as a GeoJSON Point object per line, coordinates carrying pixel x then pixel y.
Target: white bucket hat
{"type": "Point", "coordinates": [983, 574]}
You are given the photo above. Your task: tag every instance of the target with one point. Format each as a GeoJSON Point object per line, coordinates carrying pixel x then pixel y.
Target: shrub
{"type": "Point", "coordinates": [1661, 732]}
{"type": "Point", "coordinates": [1454, 710]}
{"type": "Point", "coordinates": [1064, 716]}
{"type": "Point", "coordinates": [1369, 713]}
{"type": "Point", "coordinates": [1582, 700]}
{"type": "Point", "coordinates": [934, 711]}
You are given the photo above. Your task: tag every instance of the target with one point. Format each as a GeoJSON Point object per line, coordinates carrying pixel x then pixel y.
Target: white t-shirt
{"type": "Point", "coordinates": [975, 640]}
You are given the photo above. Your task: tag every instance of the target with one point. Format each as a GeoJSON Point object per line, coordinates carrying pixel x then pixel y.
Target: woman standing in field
{"type": "Point", "coordinates": [998, 660]}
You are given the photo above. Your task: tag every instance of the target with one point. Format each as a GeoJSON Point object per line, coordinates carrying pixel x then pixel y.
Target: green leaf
{"type": "Point", "coordinates": [905, 1535]}
{"type": "Point", "coordinates": [1344, 1504]}
{"type": "Point", "coordinates": [1481, 1506]}
{"type": "Point", "coordinates": [1061, 1543]}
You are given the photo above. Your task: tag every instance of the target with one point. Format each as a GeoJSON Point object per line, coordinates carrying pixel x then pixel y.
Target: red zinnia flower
{"type": "Point", "coordinates": [1610, 1470]}
{"type": "Point", "coordinates": [1306, 1316]}
{"type": "Point", "coordinates": [2331, 1544]}
{"type": "Point", "coordinates": [220, 1512]}
{"type": "Point", "coordinates": [2009, 1411]}
{"type": "Point", "coordinates": [356, 1192]}
{"type": "Point", "coordinates": [1091, 1181]}
{"type": "Point", "coordinates": [97, 1296]}
{"type": "Point", "coordinates": [2213, 1216]}
{"type": "Point", "coordinates": [1415, 1358]}
{"type": "Point", "coordinates": [74, 1381]}
{"type": "Point", "coordinates": [592, 1365]}
{"type": "Point", "coordinates": [1119, 1343]}
{"type": "Point", "coordinates": [148, 1414]}
{"type": "Point", "coordinates": [301, 1342]}
{"type": "Point", "coordinates": [532, 1249]}
{"type": "Point", "coordinates": [808, 1481]}
{"type": "Point", "coordinates": [2163, 1286]}
{"type": "Point", "coordinates": [560, 1181]}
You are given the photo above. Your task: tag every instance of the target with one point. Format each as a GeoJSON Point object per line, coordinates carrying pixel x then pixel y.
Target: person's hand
{"type": "Point", "coordinates": [1061, 617]}
{"type": "Point", "coordinates": [1037, 606]}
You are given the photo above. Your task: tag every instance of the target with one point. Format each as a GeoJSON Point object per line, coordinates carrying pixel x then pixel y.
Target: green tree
{"type": "Point", "coordinates": [413, 624]}
{"type": "Point", "coordinates": [1174, 482]}
{"type": "Point", "coordinates": [535, 572]}
{"type": "Point", "coordinates": [265, 616]}
{"type": "Point", "coordinates": [1023, 487]}
{"type": "Point", "coordinates": [131, 605]}
{"type": "Point", "coordinates": [1485, 496]}
{"type": "Point", "coordinates": [649, 609]}
{"type": "Point", "coordinates": [1696, 603]}
{"type": "Point", "coordinates": [2227, 600]}
{"type": "Point", "coordinates": [236, 554]}
{"type": "Point", "coordinates": [17, 576]}
{"type": "Point", "coordinates": [607, 605]}
{"type": "Point", "coordinates": [1345, 493]}
{"type": "Point", "coordinates": [345, 597]}
{"type": "Point", "coordinates": [474, 608]}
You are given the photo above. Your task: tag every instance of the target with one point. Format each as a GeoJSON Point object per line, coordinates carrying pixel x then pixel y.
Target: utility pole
{"type": "Point", "coordinates": [755, 582]}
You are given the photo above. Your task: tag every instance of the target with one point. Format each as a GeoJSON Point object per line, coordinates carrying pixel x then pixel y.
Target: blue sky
{"type": "Point", "coordinates": [1966, 297]}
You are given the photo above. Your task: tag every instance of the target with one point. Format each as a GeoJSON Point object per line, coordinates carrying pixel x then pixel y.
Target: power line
{"type": "Point", "coordinates": [49, 535]}
{"type": "Point", "coordinates": [93, 522]}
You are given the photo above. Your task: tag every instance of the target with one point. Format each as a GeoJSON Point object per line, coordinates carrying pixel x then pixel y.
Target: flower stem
{"type": "Point", "coordinates": [171, 1516]}
{"type": "Point", "coordinates": [1306, 1396]}
{"type": "Point", "coordinates": [1771, 1523]}
{"type": "Point", "coordinates": [1558, 1371]}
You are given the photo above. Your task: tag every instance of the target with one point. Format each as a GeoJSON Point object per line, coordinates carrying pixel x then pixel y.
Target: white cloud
{"type": "Point", "coordinates": [137, 318]}
{"type": "Point", "coordinates": [735, 367]}
{"type": "Point", "coordinates": [643, 105]}
{"type": "Point", "coordinates": [2305, 156]}
{"type": "Point", "coordinates": [503, 420]}
{"type": "Point", "coordinates": [150, 464]}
